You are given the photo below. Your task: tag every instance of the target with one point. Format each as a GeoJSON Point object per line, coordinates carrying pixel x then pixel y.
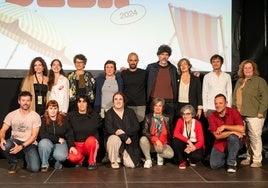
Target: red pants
{"type": "Point", "coordinates": [88, 148]}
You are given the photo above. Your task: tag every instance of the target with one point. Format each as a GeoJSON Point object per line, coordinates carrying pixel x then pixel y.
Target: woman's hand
{"type": "Point", "coordinates": [119, 132]}
{"type": "Point", "coordinates": [61, 140]}
{"type": "Point", "coordinates": [73, 150]}
{"type": "Point", "coordinates": [128, 141]}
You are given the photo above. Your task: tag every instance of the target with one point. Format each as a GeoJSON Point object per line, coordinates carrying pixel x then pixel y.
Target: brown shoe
{"type": "Point", "coordinates": [256, 165]}
{"type": "Point", "coordinates": [12, 169]}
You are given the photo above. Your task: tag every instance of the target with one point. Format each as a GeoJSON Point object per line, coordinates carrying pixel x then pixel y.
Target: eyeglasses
{"type": "Point", "coordinates": [186, 114]}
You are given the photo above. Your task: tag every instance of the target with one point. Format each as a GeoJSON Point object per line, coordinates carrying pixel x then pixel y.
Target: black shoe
{"type": "Point", "coordinates": [231, 169]}
{"type": "Point", "coordinates": [105, 159]}
{"type": "Point", "coordinates": [92, 167]}
{"type": "Point", "coordinates": [12, 169]}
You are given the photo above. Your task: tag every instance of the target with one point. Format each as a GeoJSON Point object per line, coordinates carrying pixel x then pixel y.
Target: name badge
{"type": "Point", "coordinates": [39, 99]}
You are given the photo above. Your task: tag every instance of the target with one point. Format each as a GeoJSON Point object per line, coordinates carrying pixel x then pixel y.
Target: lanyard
{"type": "Point", "coordinates": [39, 85]}
{"type": "Point", "coordinates": [188, 133]}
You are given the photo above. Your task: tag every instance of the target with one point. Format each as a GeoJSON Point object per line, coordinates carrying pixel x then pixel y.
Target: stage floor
{"type": "Point", "coordinates": [167, 176]}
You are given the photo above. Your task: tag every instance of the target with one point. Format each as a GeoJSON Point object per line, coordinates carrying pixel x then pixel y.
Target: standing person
{"type": "Point", "coordinates": [81, 82]}
{"type": "Point", "coordinates": [156, 134]}
{"type": "Point", "coordinates": [251, 100]}
{"type": "Point", "coordinates": [24, 124]}
{"type": "Point", "coordinates": [56, 137]}
{"type": "Point", "coordinates": [58, 86]}
{"type": "Point", "coordinates": [216, 82]}
{"type": "Point", "coordinates": [106, 85]}
{"type": "Point", "coordinates": [36, 83]}
{"type": "Point", "coordinates": [227, 126]}
{"type": "Point", "coordinates": [122, 127]}
{"type": "Point", "coordinates": [188, 138]}
{"type": "Point", "coordinates": [162, 80]}
{"type": "Point", "coordinates": [189, 88]}
{"type": "Point", "coordinates": [85, 124]}
{"type": "Point", "coordinates": [134, 80]}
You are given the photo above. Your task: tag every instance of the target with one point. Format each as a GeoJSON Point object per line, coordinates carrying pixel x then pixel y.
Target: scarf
{"type": "Point", "coordinates": [158, 124]}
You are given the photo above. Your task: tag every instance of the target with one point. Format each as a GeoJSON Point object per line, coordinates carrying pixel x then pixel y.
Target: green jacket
{"type": "Point", "coordinates": [254, 96]}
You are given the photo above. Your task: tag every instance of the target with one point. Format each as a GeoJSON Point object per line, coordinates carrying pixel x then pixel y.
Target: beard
{"type": "Point", "coordinates": [25, 106]}
{"type": "Point", "coordinates": [133, 66]}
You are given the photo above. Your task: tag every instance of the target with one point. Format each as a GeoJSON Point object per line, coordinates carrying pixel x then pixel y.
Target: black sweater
{"type": "Point", "coordinates": [84, 125]}
{"type": "Point", "coordinates": [53, 132]}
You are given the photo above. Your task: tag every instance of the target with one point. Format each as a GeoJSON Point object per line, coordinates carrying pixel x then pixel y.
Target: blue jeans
{"type": "Point", "coordinates": [217, 158]}
{"type": "Point", "coordinates": [30, 154]}
{"type": "Point", "coordinates": [46, 148]}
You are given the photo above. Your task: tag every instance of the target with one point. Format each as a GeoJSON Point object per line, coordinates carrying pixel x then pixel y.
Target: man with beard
{"type": "Point", "coordinates": [134, 80]}
{"type": "Point", "coordinates": [227, 126]}
{"type": "Point", "coordinates": [24, 124]}
{"type": "Point", "coordinates": [162, 79]}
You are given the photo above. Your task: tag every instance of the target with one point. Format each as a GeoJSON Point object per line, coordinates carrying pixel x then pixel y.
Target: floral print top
{"type": "Point", "coordinates": [89, 83]}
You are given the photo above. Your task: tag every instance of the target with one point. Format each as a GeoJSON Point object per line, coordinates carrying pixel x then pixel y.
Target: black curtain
{"type": "Point", "coordinates": [250, 34]}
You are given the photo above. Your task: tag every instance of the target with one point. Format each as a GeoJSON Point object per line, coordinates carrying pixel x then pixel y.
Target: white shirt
{"type": "Point", "coordinates": [191, 133]}
{"type": "Point", "coordinates": [60, 92]}
{"type": "Point", "coordinates": [184, 92]}
{"type": "Point", "coordinates": [214, 84]}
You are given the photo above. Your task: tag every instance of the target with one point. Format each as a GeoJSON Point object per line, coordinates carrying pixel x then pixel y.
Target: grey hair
{"type": "Point", "coordinates": [189, 107]}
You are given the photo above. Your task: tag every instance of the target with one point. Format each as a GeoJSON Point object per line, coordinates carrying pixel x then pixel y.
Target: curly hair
{"type": "Point", "coordinates": [240, 71]}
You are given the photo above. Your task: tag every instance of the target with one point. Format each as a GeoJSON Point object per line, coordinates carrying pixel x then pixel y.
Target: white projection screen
{"type": "Point", "coordinates": [110, 29]}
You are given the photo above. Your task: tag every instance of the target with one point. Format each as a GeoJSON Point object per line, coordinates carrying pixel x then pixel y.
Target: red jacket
{"type": "Point", "coordinates": [178, 133]}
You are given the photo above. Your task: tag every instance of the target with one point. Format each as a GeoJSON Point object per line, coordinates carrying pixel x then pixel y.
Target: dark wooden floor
{"type": "Point", "coordinates": [167, 176]}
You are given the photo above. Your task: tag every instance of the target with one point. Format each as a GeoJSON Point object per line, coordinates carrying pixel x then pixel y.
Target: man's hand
{"type": "Point", "coordinates": [2, 144]}
{"type": "Point", "coordinates": [240, 135]}
{"type": "Point", "coordinates": [220, 129]}
{"type": "Point", "coordinates": [16, 149]}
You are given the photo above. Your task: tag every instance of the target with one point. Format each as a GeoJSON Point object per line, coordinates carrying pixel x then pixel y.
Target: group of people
{"type": "Point", "coordinates": [134, 114]}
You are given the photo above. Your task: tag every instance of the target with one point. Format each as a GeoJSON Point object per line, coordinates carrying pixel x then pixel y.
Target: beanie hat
{"type": "Point", "coordinates": [164, 48]}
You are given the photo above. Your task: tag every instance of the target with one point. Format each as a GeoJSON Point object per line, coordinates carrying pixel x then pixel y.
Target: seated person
{"type": "Point", "coordinates": [227, 126]}
{"type": "Point", "coordinates": [156, 134]}
{"type": "Point", "coordinates": [122, 128]}
{"type": "Point", "coordinates": [56, 137]}
{"type": "Point", "coordinates": [188, 138]}
{"type": "Point", "coordinates": [85, 124]}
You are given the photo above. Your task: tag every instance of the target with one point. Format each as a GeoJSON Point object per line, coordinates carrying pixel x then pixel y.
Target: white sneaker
{"type": "Point", "coordinates": [118, 160]}
{"type": "Point", "coordinates": [160, 160]}
{"type": "Point", "coordinates": [148, 164]}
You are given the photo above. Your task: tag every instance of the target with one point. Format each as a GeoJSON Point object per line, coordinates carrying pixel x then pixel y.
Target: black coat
{"type": "Point", "coordinates": [130, 125]}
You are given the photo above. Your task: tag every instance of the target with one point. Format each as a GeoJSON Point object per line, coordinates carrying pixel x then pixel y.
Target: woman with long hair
{"type": "Point", "coordinates": [36, 83]}
{"type": "Point", "coordinates": [58, 86]}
